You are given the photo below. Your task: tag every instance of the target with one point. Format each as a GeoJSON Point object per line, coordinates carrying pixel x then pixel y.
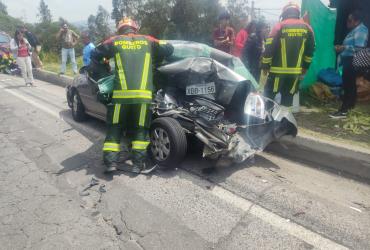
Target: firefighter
{"type": "Point", "coordinates": [288, 54]}
{"type": "Point", "coordinates": [134, 55]}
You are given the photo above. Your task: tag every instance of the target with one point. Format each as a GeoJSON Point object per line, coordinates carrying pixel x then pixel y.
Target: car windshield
{"type": "Point", "coordinates": [4, 38]}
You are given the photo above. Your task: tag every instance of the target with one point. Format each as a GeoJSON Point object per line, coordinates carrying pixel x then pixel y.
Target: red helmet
{"type": "Point", "coordinates": [292, 5]}
{"type": "Point", "coordinates": [127, 23]}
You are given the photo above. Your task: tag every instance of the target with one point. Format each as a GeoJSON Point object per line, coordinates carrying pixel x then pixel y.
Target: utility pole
{"type": "Point", "coordinates": [253, 14]}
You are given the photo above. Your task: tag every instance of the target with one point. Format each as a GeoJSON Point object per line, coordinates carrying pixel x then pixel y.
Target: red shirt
{"type": "Point", "coordinates": [240, 40]}
{"type": "Point", "coordinates": [23, 49]}
{"type": "Point", "coordinates": [220, 34]}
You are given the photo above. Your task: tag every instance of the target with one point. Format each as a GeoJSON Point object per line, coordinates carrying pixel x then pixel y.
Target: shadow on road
{"type": "Point", "coordinates": [91, 159]}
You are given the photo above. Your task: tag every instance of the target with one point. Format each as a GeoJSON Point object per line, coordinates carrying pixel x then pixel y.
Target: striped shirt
{"type": "Point", "coordinates": [355, 40]}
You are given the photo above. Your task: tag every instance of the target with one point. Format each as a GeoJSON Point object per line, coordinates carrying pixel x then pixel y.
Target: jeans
{"type": "Point", "coordinates": [26, 68]}
{"type": "Point", "coordinates": [71, 54]}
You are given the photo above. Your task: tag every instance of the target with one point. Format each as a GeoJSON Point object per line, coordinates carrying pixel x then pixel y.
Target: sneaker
{"type": "Point", "coordinates": [60, 74]}
{"type": "Point", "coordinates": [339, 115]}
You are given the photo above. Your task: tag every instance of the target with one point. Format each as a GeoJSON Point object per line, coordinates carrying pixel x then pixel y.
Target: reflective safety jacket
{"type": "Point", "coordinates": [289, 48]}
{"type": "Point", "coordinates": [134, 58]}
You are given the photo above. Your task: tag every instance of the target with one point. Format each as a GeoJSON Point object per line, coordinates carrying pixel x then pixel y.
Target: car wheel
{"type": "Point", "coordinates": [168, 142]}
{"type": "Point", "coordinates": [78, 110]}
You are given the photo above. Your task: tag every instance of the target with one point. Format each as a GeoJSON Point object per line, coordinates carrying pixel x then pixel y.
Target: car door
{"type": "Point", "coordinates": [94, 105]}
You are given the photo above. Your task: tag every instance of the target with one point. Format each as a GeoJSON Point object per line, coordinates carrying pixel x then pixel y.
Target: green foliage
{"type": "Point", "coordinates": [44, 13]}
{"type": "Point", "coordinates": [9, 24]}
{"type": "Point", "coordinates": [102, 24]}
{"type": "Point", "coordinates": [46, 33]}
{"type": "Point", "coordinates": [239, 11]}
{"type": "Point", "coordinates": [155, 15]}
{"type": "Point", "coordinates": [357, 123]}
{"type": "Point", "coordinates": [91, 27]}
{"type": "Point", "coordinates": [127, 8]}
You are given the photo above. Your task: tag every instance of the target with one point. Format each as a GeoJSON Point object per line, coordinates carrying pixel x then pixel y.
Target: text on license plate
{"type": "Point", "coordinates": [201, 89]}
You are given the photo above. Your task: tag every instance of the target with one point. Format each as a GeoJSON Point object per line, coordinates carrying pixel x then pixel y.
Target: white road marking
{"type": "Point", "coordinates": [27, 99]}
{"type": "Point", "coordinates": [275, 220]}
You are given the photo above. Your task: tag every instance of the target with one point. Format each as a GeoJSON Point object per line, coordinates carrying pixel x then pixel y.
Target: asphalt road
{"type": "Point", "coordinates": [46, 161]}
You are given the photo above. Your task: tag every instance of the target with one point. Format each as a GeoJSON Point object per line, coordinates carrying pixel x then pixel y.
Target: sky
{"type": "Point", "coordinates": [79, 10]}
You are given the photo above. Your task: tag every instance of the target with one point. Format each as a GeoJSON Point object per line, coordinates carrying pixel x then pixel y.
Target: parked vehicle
{"type": "Point", "coordinates": [7, 62]}
{"type": "Point", "coordinates": [200, 95]}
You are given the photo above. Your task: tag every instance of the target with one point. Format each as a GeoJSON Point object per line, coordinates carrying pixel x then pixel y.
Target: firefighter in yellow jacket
{"type": "Point", "coordinates": [134, 56]}
{"type": "Point", "coordinates": [288, 55]}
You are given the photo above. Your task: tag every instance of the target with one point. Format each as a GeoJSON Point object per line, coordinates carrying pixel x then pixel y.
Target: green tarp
{"type": "Point", "coordinates": [323, 22]}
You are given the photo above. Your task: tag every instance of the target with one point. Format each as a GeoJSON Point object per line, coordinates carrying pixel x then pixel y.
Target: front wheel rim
{"type": "Point", "coordinates": [160, 144]}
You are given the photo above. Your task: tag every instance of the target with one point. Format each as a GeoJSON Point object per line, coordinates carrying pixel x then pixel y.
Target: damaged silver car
{"type": "Point", "coordinates": [206, 95]}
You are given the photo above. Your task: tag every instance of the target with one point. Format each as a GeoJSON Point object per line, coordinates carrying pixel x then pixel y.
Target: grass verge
{"type": "Point", "coordinates": [314, 116]}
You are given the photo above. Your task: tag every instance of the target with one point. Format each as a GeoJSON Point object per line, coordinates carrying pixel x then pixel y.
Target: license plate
{"type": "Point", "coordinates": [201, 89]}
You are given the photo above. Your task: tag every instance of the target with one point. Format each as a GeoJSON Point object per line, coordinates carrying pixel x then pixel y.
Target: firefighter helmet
{"type": "Point", "coordinates": [292, 9]}
{"type": "Point", "coordinates": [292, 5]}
{"type": "Point", "coordinates": [127, 23]}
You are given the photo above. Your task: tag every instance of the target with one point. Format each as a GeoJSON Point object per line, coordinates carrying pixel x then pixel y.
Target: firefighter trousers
{"type": "Point", "coordinates": [286, 85]}
{"type": "Point", "coordinates": [135, 119]}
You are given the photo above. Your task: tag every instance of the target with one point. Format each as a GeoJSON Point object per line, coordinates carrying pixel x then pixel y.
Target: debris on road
{"type": "Point", "coordinates": [93, 182]}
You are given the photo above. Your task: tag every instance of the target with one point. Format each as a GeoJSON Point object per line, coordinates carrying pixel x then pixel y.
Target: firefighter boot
{"type": "Point", "coordinates": [111, 160]}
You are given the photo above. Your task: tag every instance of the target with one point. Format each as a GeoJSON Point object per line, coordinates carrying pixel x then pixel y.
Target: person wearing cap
{"type": "Point", "coordinates": [68, 39]}
{"type": "Point", "coordinates": [135, 56]}
{"type": "Point", "coordinates": [288, 54]}
{"type": "Point", "coordinates": [88, 47]}
{"type": "Point", "coordinates": [224, 34]}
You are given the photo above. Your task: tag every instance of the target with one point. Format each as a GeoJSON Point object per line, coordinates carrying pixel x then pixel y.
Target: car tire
{"type": "Point", "coordinates": [168, 142]}
{"type": "Point", "coordinates": [78, 110]}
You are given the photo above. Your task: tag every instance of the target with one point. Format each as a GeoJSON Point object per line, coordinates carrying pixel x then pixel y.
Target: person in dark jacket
{"type": "Point", "coordinates": [288, 55]}
{"type": "Point", "coordinates": [253, 49]}
{"type": "Point", "coordinates": [134, 56]}
{"type": "Point", "coordinates": [35, 44]}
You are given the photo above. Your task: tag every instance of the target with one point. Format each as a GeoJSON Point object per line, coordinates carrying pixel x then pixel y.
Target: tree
{"type": "Point", "coordinates": [44, 13]}
{"type": "Point", "coordinates": [91, 26]}
{"type": "Point", "coordinates": [154, 16]}
{"type": "Point", "coordinates": [3, 8]}
{"type": "Point", "coordinates": [102, 23]}
{"type": "Point", "coordinates": [123, 8]}
{"type": "Point", "coordinates": [195, 19]}
{"type": "Point", "coordinates": [239, 11]}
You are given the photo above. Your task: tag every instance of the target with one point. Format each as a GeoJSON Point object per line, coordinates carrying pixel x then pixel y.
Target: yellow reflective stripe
{"type": "Point", "coordinates": [280, 70]}
{"type": "Point", "coordinates": [140, 145]}
{"type": "Point", "coordinates": [307, 59]}
{"type": "Point", "coordinates": [283, 53]}
{"type": "Point", "coordinates": [276, 84]}
{"type": "Point", "coordinates": [290, 30]}
{"type": "Point", "coordinates": [132, 94]}
{"type": "Point", "coordinates": [142, 115]}
{"type": "Point", "coordinates": [299, 63]}
{"type": "Point", "coordinates": [292, 91]}
{"type": "Point", "coordinates": [269, 41]}
{"type": "Point", "coordinates": [162, 42]}
{"type": "Point", "coordinates": [144, 78]}
{"type": "Point", "coordinates": [112, 147]}
{"type": "Point", "coordinates": [121, 72]}
{"type": "Point", "coordinates": [266, 60]}
{"type": "Point", "coordinates": [117, 111]}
